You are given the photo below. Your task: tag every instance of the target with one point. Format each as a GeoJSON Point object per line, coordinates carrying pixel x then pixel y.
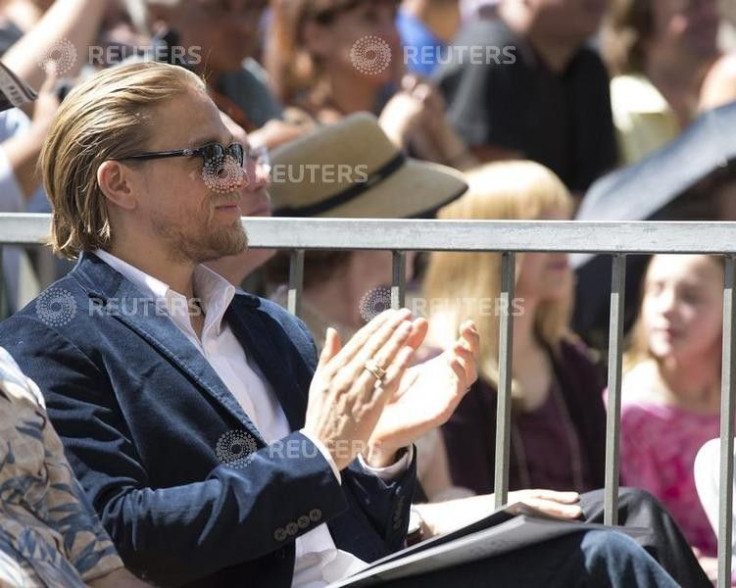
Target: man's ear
{"type": "Point", "coordinates": [116, 182]}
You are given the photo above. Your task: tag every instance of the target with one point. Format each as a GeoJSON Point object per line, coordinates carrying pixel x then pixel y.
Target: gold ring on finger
{"type": "Point", "coordinates": [376, 370]}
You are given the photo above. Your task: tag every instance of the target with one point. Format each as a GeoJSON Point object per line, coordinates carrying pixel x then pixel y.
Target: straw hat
{"type": "Point", "coordinates": [352, 170]}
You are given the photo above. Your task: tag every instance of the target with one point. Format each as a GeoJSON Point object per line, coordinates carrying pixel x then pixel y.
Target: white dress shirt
{"type": "Point", "coordinates": [318, 561]}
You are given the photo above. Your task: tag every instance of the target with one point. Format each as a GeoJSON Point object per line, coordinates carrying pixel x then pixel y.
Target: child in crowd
{"type": "Point", "coordinates": [671, 388]}
{"type": "Point", "coordinates": [558, 416]}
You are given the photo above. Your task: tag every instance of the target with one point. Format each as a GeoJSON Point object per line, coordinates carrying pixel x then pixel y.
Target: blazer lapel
{"type": "Point", "coordinates": [256, 336]}
{"type": "Point", "coordinates": [143, 316]}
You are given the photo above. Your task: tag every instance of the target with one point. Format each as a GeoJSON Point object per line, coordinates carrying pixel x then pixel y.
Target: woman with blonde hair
{"type": "Point", "coordinates": [558, 417]}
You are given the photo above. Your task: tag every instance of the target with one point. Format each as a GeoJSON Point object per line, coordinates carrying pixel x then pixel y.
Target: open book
{"type": "Point", "coordinates": [512, 527]}
{"type": "Point", "coordinates": [13, 91]}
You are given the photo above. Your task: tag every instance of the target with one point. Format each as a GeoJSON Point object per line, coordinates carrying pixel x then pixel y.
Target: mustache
{"type": "Point", "coordinates": [226, 200]}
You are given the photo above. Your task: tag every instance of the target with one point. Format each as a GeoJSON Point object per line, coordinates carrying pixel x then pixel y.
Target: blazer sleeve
{"type": "Point", "coordinates": [384, 504]}
{"type": "Point", "coordinates": [232, 516]}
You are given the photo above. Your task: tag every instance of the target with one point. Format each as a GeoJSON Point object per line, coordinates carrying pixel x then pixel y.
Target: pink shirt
{"type": "Point", "coordinates": [658, 448]}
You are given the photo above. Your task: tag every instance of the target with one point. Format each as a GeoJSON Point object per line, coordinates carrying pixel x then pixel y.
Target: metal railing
{"type": "Point", "coordinates": [618, 239]}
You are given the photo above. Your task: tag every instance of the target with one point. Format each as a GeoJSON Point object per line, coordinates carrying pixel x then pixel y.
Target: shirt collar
{"type": "Point", "coordinates": [213, 292]}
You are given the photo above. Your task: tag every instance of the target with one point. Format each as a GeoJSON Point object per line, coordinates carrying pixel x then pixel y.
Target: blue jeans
{"type": "Point", "coordinates": [593, 558]}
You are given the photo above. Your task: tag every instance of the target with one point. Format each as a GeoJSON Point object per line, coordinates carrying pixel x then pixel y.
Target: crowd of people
{"type": "Point", "coordinates": [166, 422]}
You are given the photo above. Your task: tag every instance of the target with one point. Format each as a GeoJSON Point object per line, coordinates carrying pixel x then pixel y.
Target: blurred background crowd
{"type": "Point", "coordinates": [547, 109]}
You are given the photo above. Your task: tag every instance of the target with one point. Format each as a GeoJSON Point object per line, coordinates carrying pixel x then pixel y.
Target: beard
{"type": "Point", "coordinates": [204, 243]}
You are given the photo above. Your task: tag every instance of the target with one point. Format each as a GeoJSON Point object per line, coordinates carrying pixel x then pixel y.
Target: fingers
{"type": "Point", "coordinates": [398, 321]}
{"type": "Point", "coordinates": [394, 373]}
{"type": "Point", "coordinates": [331, 348]}
{"type": "Point", "coordinates": [551, 502]}
{"type": "Point", "coordinates": [555, 509]}
{"type": "Point", "coordinates": [390, 318]}
{"type": "Point", "coordinates": [553, 495]}
{"type": "Point", "coordinates": [470, 337]}
{"type": "Point", "coordinates": [418, 333]}
{"type": "Point", "coordinates": [384, 349]}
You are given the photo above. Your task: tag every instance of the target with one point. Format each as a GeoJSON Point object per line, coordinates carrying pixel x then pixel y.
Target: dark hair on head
{"type": "Point", "coordinates": [703, 200]}
{"type": "Point", "coordinates": [628, 26]}
{"type": "Point", "coordinates": [291, 69]}
{"type": "Point", "coordinates": [319, 266]}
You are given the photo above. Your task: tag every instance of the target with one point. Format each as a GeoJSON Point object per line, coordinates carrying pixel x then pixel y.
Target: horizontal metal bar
{"type": "Point", "coordinates": [434, 235]}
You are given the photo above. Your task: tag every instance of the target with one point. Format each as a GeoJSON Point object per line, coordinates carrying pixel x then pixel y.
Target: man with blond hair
{"type": "Point", "coordinates": [216, 447]}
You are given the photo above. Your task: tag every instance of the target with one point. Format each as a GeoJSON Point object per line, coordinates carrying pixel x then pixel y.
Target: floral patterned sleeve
{"type": "Point", "coordinates": [46, 522]}
{"type": "Point", "coordinates": [87, 544]}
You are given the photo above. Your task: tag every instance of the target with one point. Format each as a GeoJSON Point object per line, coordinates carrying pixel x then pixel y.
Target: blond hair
{"type": "Point", "coordinates": [107, 117]}
{"type": "Point", "coordinates": [521, 190]}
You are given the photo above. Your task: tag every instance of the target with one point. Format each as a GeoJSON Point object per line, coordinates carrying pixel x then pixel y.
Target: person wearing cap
{"type": "Point", "coordinates": [215, 446]}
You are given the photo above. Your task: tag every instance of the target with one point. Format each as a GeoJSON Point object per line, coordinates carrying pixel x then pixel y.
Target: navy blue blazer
{"type": "Point", "coordinates": [140, 412]}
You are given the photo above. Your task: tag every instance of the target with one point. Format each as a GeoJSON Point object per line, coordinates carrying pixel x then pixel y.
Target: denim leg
{"type": "Point", "coordinates": [665, 542]}
{"type": "Point", "coordinates": [616, 560]}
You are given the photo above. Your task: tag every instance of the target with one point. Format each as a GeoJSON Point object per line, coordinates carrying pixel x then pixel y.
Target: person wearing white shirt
{"type": "Point", "coordinates": [216, 447]}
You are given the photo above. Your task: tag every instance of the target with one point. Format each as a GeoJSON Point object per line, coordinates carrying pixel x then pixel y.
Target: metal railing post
{"type": "Point", "coordinates": [505, 377]}
{"type": "Point", "coordinates": [725, 493]}
{"type": "Point", "coordinates": [296, 280]}
{"type": "Point", "coordinates": [613, 415]}
{"type": "Point", "coordinates": [398, 282]}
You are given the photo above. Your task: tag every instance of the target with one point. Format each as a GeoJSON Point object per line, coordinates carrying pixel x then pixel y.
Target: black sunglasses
{"type": "Point", "coordinates": [212, 154]}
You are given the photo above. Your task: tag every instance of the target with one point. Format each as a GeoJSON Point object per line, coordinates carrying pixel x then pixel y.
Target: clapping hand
{"type": "Point", "coordinates": [427, 394]}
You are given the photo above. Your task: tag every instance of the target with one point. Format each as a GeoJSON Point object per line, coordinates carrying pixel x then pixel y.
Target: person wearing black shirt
{"type": "Point", "coordinates": [526, 85]}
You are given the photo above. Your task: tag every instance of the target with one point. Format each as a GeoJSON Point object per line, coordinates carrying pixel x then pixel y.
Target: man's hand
{"type": "Point", "coordinates": [427, 396]}
{"type": "Point", "coordinates": [565, 505]}
{"type": "Point", "coordinates": [445, 517]}
{"type": "Point", "coordinates": [344, 401]}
